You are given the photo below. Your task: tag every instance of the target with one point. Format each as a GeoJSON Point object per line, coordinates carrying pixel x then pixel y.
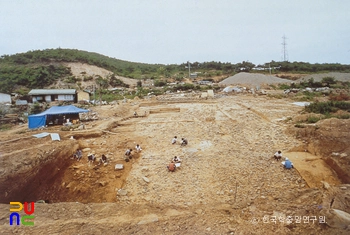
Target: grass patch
{"type": "Point", "coordinates": [343, 116]}
{"type": "Point", "coordinates": [339, 97]}
{"type": "Point", "coordinates": [299, 125]}
{"type": "Point", "coordinates": [5, 127]}
{"type": "Point", "coordinates": [312, 119]}
{"type": "Point", "coordinates": [276, 96]}
{"type": "Point", "coordinates": [327, 107]}
{"type": "Point", "coordinates": [308, 96]}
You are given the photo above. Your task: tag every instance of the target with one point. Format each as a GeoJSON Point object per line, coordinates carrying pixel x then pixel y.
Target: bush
{"type": "Point", "coordinates": [184, 87]}
{"type": "Point", "coordinates": [298, 125]}
{"type": "Point", "coordinates": [309, 96]}
{"type": "Point", "coordinates": [159, 83]}
{"type": "Point", "coordinates": [36, 108]}
{"type": "Point", "coordinates": [327, 107]}
{"type": "Point", "coordinates": [340, 97]}
{"type": "Point", "coordinates": [282, 86]}
{"type": "Point", "coordinates": [312, 119]}
{"type": "Point", "coordinates": [344, 116]}
{"type": "Point", "coordinates": [4, 127]}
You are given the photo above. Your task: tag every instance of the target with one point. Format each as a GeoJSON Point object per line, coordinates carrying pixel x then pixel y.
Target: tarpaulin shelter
{"type": "Point", "coordinates": [232, 88]}
{"type": "Point", "coordinates": [39, 120]}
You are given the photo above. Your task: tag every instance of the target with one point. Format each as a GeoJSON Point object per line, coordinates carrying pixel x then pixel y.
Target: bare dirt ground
{"type": "Point", "coordinates": [228, 182]}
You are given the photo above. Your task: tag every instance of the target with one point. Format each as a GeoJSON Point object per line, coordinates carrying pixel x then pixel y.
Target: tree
{"type": "Point", "coordinates": [328, 80]}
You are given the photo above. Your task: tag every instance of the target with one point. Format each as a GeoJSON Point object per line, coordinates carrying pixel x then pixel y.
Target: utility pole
{"type": "Point", "coordinates": [189, 69]}
{"type": "Point", "coordinates": [284, 49]}
{"type": "Point", "coordinates": [94, 87]}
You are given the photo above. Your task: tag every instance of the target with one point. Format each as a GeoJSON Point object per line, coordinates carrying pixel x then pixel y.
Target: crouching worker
{"type": "Point", "coordinates": [128, 155]}
{"type": "Point", "coordinates": [91, 158]}
{"type": "Point", "coordinates": [278, 155]}
{"type": "Point", "coordinates": [287, 164]}
{"type": "Point", "coordinates": [173, 141]}
{"type": "Point", "coordinates": [138, 148]}
{"type": "Point", "coordinates": [103, 160]}
{"type": "Point", "coordinates": [184, 142]}
{"type": "Point", "coordinates": [78, 155]}
{"type": "Point", "coordinates": [172, 166]}
{"type": "Point", "coordinates": [176, 159]}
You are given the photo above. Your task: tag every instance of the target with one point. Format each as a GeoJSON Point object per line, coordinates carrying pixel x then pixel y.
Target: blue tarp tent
{"type": "Point", "coordinates": [39, 120]}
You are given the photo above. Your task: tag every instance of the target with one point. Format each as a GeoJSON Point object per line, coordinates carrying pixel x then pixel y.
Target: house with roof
{"type": "Point", "coordinates": [51, 95]}
{"type": "Point", "coordinates": [83, 96]}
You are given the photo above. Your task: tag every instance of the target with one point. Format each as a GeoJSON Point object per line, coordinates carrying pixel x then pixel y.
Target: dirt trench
{"type": "Point", "coordinates": [33, 179]}
{"type": "Point", "coordinates": [49, 172]}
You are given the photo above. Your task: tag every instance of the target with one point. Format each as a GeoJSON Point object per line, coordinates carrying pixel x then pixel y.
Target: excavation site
{"type": "Point", "coordinates": [228, 182]}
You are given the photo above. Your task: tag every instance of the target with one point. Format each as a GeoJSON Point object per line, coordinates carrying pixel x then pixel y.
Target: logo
{"type": "Point", "coordinates": [17, 207]}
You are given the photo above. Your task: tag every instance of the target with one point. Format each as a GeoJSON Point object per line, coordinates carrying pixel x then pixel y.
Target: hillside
{"type": "Point", "coordinates": [50, 68]}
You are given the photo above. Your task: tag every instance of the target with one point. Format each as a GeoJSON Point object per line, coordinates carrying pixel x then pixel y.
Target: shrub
{"type": "Point", "coordinates": [159, 83]}
{"type": "Point", "coordinates": [344, 116]}
{"type": "Point", "coordinates": [4, 127]}
{"type": "Point", "coordinates": [327, 107]}
{"type": "Point", "coordinates": [312, 119]}
{"type": "Point", "coordinates": [36, 108]}
{"type": "Point", "coordinates": [298, 125]}
{"type": "Point", "coordinates": [282, 86]}
{"type": "Point", "coordinates": [340, 97]}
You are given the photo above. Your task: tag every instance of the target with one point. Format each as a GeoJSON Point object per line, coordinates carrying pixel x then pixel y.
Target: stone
{"type": "Point", "coordinates": [69, 185]}
{"type": "Point", "coordinates": [325, 185]}
{"type": "Point", "coordinates": [149, 219]}
{"type": "Point", "coordinates": [145, 179]}
{"type": "Point", "coordinates": [122, 192]}
{"type": "Point", "coordinates": [337, 218]}
{"type": "Point", "coordinates": [118, 167]}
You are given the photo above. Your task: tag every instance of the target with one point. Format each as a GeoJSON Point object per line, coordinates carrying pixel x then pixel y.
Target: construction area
{"type": "Point", "coordinates": [228, 182]}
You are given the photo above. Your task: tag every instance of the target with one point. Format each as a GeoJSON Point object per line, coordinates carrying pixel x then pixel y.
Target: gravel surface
{"type": "Point", "coordinates": [252, 79]}
{"type": "Point", "coordinates": [318, 77]}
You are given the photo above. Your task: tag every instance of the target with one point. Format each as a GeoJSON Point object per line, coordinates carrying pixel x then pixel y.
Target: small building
{"type": "Point", "coordinates": [50, 95]}
{"type": "Point", "coordinates": [5, 98]}
{"type": "Point", "coordinates": [21, 102]}
{"type": "Point", "coordinates": [83, 96]}
{"type": "Point", "coordinates": [193, 75]}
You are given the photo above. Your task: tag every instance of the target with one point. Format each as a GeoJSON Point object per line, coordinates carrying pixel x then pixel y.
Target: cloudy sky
{"type": "Point", "coordinates": [176, 31]}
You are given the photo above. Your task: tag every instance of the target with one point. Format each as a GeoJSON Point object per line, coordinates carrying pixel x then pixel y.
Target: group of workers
{"type": "Point", "coordinates": [286, 163]}
{"type": "Point", "coordinates": [184, 141]}
{"type": "Point", "coordinates": [128, 155]}
{"type": "Point", "coordinates": [91, 157]}
{"type": "Point", "coordinates": [176, 161]}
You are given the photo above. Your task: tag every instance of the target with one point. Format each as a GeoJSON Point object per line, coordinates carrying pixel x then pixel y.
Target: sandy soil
{"type": "Point", "coordinates": [228, 182]}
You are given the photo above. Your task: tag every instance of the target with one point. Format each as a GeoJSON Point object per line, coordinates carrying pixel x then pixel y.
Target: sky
{"type": "Point", "coordinates": [177, 31]}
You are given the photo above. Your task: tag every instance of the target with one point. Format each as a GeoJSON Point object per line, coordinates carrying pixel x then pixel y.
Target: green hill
{"type": "Point", "coordinates": [42, 68]}
{"type": "Point", "coordinates": [39, 69]}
